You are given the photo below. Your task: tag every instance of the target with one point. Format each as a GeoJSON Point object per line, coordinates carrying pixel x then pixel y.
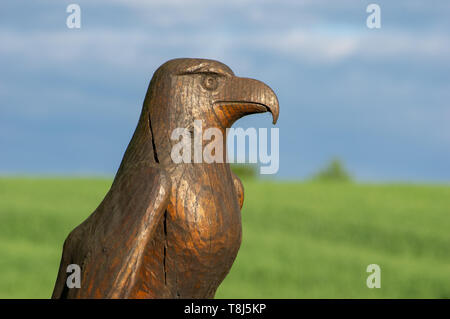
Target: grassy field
{"type": "Point", "coordinates": [300, 240]}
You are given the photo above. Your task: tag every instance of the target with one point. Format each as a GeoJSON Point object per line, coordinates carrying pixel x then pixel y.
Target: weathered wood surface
{"type": "Point", "coordinates": [167, 230]}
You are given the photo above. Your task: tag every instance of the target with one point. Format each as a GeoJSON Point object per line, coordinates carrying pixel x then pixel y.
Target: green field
{"type": "Point", "coordinates": [300, 240]}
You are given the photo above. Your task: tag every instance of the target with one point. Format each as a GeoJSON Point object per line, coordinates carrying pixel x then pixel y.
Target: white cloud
{"type": "Point", "coordinates": [294, 30]}
{"type": "Point", "coordinates": [131, 48]}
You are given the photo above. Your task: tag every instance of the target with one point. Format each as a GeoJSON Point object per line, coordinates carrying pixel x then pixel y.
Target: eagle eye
{"type": "Point", "coordinates": [210, 82]}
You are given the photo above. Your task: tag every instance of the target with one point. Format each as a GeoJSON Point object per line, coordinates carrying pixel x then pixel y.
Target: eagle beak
{"type": "Point", "coordinates": [242, 96]}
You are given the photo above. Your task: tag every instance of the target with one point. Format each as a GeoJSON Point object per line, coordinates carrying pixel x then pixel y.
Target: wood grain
{"type": "Point", "coordinates": [167, 230]}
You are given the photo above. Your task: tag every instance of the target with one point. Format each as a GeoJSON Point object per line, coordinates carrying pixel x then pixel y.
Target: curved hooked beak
{"type": "Point", "coordinates": [242, 96]}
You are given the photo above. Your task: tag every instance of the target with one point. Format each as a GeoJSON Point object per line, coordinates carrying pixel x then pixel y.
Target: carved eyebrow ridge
{"type": "Point", "coordinates": [204, 72]}
{"type": "Point", "coordinates": [204, 69]}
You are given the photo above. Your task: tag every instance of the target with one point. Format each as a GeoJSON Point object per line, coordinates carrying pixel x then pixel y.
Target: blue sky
{"type": "Point", "coordinates": [376, 98]}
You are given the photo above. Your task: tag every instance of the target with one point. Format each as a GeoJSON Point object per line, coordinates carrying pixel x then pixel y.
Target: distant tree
{"type": "Point", "coordinates": [244, 171]}
{"type": "Point", "coordinates": [334, 171]}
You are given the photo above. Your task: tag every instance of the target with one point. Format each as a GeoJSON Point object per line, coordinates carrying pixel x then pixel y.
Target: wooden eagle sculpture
{"type": "Point", "coordinates": [167, 230]}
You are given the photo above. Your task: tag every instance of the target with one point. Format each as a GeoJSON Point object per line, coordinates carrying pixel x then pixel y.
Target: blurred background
{"type": "Point", "coordinates": [364, 135]}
